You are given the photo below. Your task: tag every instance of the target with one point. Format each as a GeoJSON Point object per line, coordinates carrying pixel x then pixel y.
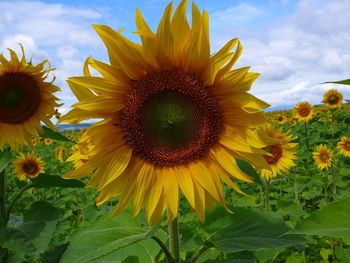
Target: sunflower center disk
{"type": "Point", "coordinates": [19, 97]}
{"type": "Point", "coordinates": [30, 168]}
{"type": "Point", "coordinates": [333, 99]}
{"type": "Point", "coordinates": [324, 157]}
{"type": "Point", "coordinates": [347, 146]}
{"type": "Point", "coordinates": [276, 151]}
{"type": "Point", "coordinates": [304, 112]}
{"type": "Point", "coordinates": [169, 118]}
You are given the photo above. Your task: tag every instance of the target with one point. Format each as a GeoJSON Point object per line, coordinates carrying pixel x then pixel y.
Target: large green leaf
{"type": "Point", "coordinates": [16, 241]}
{"type": "Point", "coordinates": [332, 220]}
{"type": "Point", "coordinates": [344, 82]}
{"type": "Point", "coordinates": [247, 230]}
{"type": "Point", "coordinates": [48, 133]}
{"type": "Point", "coordinates": [116, 237]}
{"type": "Point", "coordinates": [6, 157]}
{"type": "Point", "coordinates": [48, 180]}
{"type": "Point", "coordinates": [39, 224]}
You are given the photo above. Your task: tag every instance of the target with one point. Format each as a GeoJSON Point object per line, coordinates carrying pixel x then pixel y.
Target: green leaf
{"type": "Point", "coordinates": [54, 255]}
{"type": "Point", "coordinates": [267, 254]}
{"type": "Point", "coordinates": [48, 133]}
{"type": "Point", "coordinates": [5, 158]}
{"type": "Point", "coordinates": [131, 259]}
{"type": "Point", "coordinates": [16, 241]}
{"type": "Point", "coordinates": [332, 220]}
{"type": "Point", "coordinates": [39, 224]}
{"type": "Point", "coordinates": [247, 230]}
{"type": "Point", "coordinates": [249, 170]}
{"type": "Point", "coordinates": [342, 254]}
{"type": "Point", "coordinates": [343, 82]}
{"type": "Point", "coordinates": [121, 234]}
{"type": "Point", "coordinates": [48, 180]}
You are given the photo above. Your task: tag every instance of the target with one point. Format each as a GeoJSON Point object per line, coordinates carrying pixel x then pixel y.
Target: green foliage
{"type": "Point", "coordinates": [247, 230]}
{"type": "Point", "coordinates": [48, 133]}
{"type": "Point", "coordinates": [332, 220]}
{"type": "Point", "coordinates": [343, 82]}
{"type": "Point", "coordinates": [48, 180]}
{"type": "Point", "coordinates": [6, 157]}
{"type": "Point", "coordinates": [112, 237]}
{"type": "Point", "coordinates": [30, 238]}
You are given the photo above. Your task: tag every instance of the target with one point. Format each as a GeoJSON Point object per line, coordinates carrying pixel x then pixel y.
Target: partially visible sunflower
{"type": "Point", "coordinates": [281, 149]}
{"type": "Point", "coordinates": [344, 146]}
{"type": "Point", "coordinates": [34, 141]}
{"type": "Point", "coordinates": [28, 166]}
{"type": "Point", "coordinates": [323, 157]}
{"type": "Point", "coordinates": [303, 111]}
{"type": "Point", "coordinates": [48, 141]}
{"type": "Point", "coordinates": [81, 153]}
{"type": "Point", "coordinates": [174, 116]}
{"type": "Point", "coordinates": [25, 100]}
{"type": "Point", "coordinates": [332, 98]}
{"type": "Point", "coordinates": [60, 153]}
{"type": "Point", "coordinates": [293, 121]}
{"type": "Point", "coordinates": [281, 118]}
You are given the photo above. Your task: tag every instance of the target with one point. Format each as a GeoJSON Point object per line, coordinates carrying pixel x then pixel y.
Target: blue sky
{"type": "Point", "coordinates": [295, 45]}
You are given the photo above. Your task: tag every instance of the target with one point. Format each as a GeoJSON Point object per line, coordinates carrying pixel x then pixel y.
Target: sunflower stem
{"type": "Point", "coordinates": [168, 256]}
{"type": "Point", "coordinates": [7, 217]}
{"type": "Point", "coordinates": [307, 142]}
{"type": "Point", "coordinates": [200, 252]}
{"type": "Point", "coordinates": [174, 242]}
{"type": "Point", "coordinates": [3, 221]}
{"type": "Point", "coordinates": [267, 194]}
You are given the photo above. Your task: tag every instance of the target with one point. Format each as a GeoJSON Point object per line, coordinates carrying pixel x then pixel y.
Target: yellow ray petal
{"type": "Point", "coordinates": [227, 161]}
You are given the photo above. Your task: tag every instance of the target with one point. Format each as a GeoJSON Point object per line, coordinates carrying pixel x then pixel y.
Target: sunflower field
{"type": "Point", "coordinates": [178, 163]}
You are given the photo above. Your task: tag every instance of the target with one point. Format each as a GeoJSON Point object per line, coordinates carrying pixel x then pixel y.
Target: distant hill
{"type": "Point", "coordinates": [72, 127]}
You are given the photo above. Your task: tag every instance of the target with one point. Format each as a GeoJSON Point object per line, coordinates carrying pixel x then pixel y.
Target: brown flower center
{"type": "Point", "coordinates": [324, 157]}
{"type": "Point", "coordinates": [276, 151]}
{"type": "Point", "coordinates": [347, 146]}
{"type": "Point", "coordinates": [280, 118]}
{"type": "Point", "coordinates": [304, 112]}
{"type": "Point", "coordinates": [333, 99]}
{"type": "Point", "coordinates": [169, 118]}
{"type": "Point", "coordinates": [19, 97]}
{"type": "Point", "coordinates": [30, 168]}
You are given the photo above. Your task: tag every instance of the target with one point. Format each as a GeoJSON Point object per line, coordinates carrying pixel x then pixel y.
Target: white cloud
{"type": "Point", "coordinates": [294, 54]}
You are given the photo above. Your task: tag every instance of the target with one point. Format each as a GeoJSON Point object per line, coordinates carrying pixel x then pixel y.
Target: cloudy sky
{"type": "Point", "coordinates": [295, 45]}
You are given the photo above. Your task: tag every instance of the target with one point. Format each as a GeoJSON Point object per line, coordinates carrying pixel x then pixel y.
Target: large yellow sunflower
{"type": "Point", "coordinates": [28, 166]}
{"type": "Point", "coordinates": [344, 146]}
{"type": "Point", "coordinates": [303, 111]}
{"type": "Point", "coordinates": [332, 98]}
{"type": "Point", "coordinates": [25, 99]}
{"type": "Point", "coordinates": [174, 116]}
{"type": "Point", "coordinates": [323, 157]}
{"type": "Point", "coordinates": [282, 151]}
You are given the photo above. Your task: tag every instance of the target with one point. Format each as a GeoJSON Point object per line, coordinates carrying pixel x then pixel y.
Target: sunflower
{"type": "Point", "coordinates": [60, 153]}
{"type": "Point", "coordinates": [281, 118]}
{"type": "Point", "coordinates": [303, 111]}
{"type": "Point", "coordinates": [344, 146]}
{"type": "Point", "coordinates": [81, 153]}
{"type": "Point", "coordinates": [28, 166]}
{"type": "Point", "coordinates": [332, 98]}
{"type": "Point", "coordinates": [174, 116]}
{"type": "Point", "coordinates": [25, 100]}
{"type": "Point", "coordinates": [48, 141]}
{"type": "Point", "coordinates": [323, 157]}
{"type": "Point", "coordinates": [280, 148]}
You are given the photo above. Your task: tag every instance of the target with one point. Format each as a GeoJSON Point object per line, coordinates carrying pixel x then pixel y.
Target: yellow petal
{"type": "Point", "coordinates": [227, 161]}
